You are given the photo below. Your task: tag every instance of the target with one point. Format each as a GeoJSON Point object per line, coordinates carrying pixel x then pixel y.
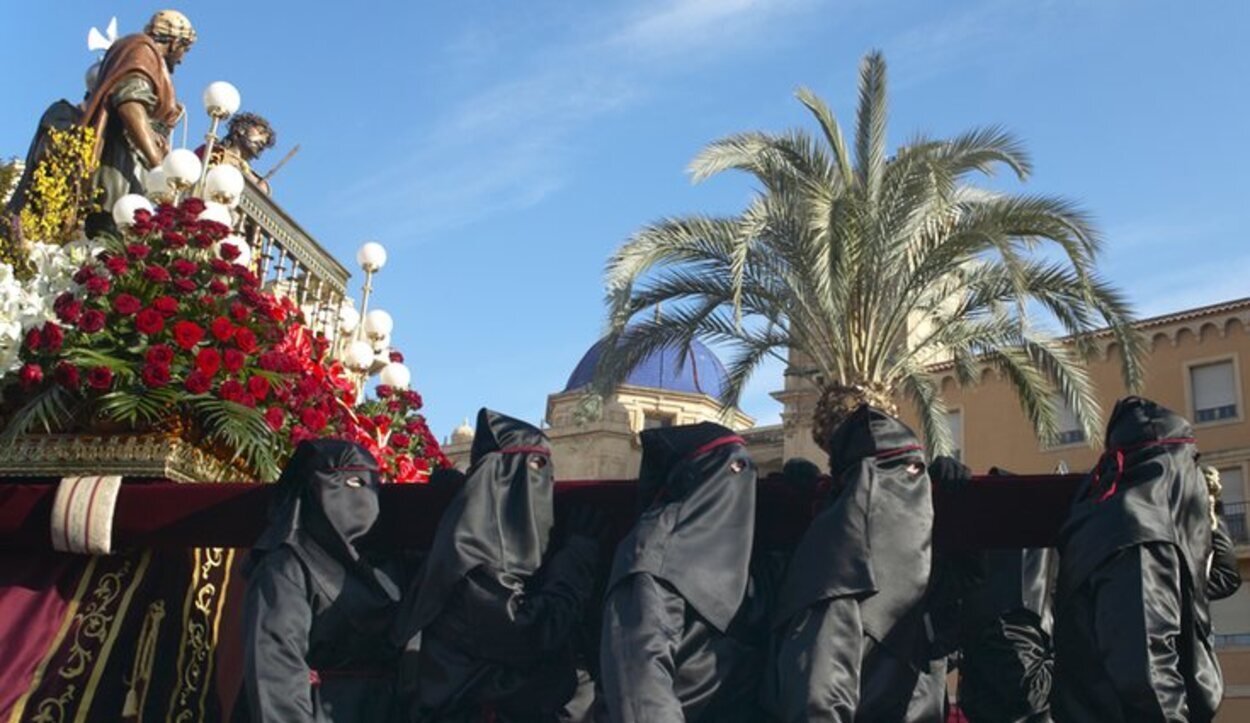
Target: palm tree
{"type": "Point", "coordinates": [865, 269]}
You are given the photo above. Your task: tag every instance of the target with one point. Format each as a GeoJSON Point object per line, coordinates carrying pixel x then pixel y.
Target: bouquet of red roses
{"type": "Point", "coordinates": [166, 328]}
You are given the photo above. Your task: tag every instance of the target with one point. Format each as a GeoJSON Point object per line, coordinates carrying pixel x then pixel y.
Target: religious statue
{"type": "Point", "coordinates": [249, 136]}
{"type": "Point", "coordinates": [133, 107]}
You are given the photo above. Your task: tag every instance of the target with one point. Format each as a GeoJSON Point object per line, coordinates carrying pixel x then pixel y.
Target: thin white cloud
{"type": "Point", "coordinates": [506, 146]}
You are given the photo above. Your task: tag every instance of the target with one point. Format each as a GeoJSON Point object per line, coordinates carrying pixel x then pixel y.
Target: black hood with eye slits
{"type": "Point", "coordinates": [501, 517]}
{"type": "Point", "coordinates": [872, 540]}
{"type": "Point", "coordinates": [326, 505]}
{"type": "Point", "coordinates": [696, 492]}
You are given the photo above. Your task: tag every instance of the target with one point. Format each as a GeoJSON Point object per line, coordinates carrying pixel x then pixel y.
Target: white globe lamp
{"type": "Point", "coordinates": [371, 256]}
{"type": "Point", "coordinates": [224, 184]}
{"type": "Point", "coordinates": [221, 99]}
{"type": "Point", "coordinates": [378, 324]}
{"type": "Point", "coordinates": [182, 167]}
{"type": "Point", "coordinates": [396, 375]}
{"type": "Point", "coordinates": [126, 206]}
{"type": "Point", "coordinates": [359, 356]}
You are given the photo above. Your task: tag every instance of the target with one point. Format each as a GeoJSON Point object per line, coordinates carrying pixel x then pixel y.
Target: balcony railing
{"type": "Point", "coordinates": [1235, 517]}
{"type": "Point", "coordinates": [290, 261]}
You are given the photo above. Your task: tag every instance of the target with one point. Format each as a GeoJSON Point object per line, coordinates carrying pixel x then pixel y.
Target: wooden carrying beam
{"type": "Point", "coordinates": [1024, 511]}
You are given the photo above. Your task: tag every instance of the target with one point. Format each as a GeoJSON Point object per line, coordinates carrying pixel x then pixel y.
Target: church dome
{"type": "Point", "coordinates": [462, 434]}
{"type": "Point", "coordinates": [702, 372]}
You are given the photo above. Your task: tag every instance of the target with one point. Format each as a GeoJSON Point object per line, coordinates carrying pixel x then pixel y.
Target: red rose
{"type": "Point", "coordinates": [138, 251]}
{"type": "Point", "coordinates": [245, 340]}
{"type": "Point", "coordinates": [198, 382]}
{"type": "Point", "coordinates": [400, 441]}
{"type": "Point", "coordinates": [300, 434]}
{"type": "Point", "coordinates": [67, 308]}
{"type": "Point", "coordinates": [208, 360]}
{"type": "Point", "coordinates": [314, 419]}
{"type": "Point", "coordinates": [173, 239]}
{"type": "Point", "coordinates": [214, 231]}
{"type": "Point", "coordinates": [98, 285]}
{"type": "Point", "coordinates": [67, 375]}
{"type": "Point", "coordinates": [166, 305]}
{"type": "Point", "coordinates": [33, 339]}
{"type": "Point", "coordinates": [125, 304]}
{"type": "Point", "coordinates": [231, 390]}
{"type": "Point", "coordinates": [384, 391]}
{"type": "Point", "coordinates": [413, 427]}
{"type": "Point", "coordinates": [396, 357]}
{"type": "Point", "coordinates": [230, 251]}
{"type": "Point", "coordinates": [150, 321]}
{"type": "Point", "coordinates": [222, 329]}
{"type": "Point", "coordinates": [52, 337]}
{"type": "Point", "coordinates": [394, 405]}
{"type": "Point", "coordinates": [405, 471]}
{"type": "Point", "coordinates": [217, 287]}
{"type": "Point", "coordinates": [160, 355]}
{"type": "Point", "coordinates": [186, 286]}
{"type": "Point", "coordinates": [219, 267]}
{"type": "Point", "coordinates": [258, 387]}
{"type": "Point", "coordinates": [413, 398]}
{"type": "Point", "coordinates": [155, 375]}
{"type": "Point", "coordinates": [84, 274]}
{"type": "Point", "coordinates": [187, 334]}
{"type": "Point", "coordinates": [92, 321]}
{"type": "Point", "coordinates": [239, 312]}
{"type": "Point", "coordinates": [117, 265]}
{"type": "Point", "coordinates": [156, 274]}
{"type": "Point", "coordinates": [31, 375]}
{"type": "Point", "coordinates": [233, 360]}
{"type": "Point", "coordinates": [277, 313]}
{"type": "Point", "coordinates": [100, 378]}
{"type": "Point", "coordinates": [184, 267]}
{"type": "Point", "coordinates": [275, 418]}
{"type": "Point", "coordinates": [192, 205]}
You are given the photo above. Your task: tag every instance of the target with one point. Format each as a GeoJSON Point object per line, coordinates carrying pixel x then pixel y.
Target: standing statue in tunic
{"type": "Point", "coordinates": [133, 107]}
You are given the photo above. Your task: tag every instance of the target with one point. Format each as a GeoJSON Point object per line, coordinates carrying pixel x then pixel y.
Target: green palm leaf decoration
{"type": "Point", "coordinates": [861, 270]}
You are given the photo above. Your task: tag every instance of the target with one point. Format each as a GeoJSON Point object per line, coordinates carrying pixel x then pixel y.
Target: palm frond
{"type": "Point", "coordinates": [50, 410]}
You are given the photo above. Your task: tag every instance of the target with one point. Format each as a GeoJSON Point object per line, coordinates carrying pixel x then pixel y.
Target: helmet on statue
{"type": "Point", "coordinates": [171, 25]}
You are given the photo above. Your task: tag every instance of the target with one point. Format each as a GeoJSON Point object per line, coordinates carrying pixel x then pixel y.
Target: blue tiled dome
{"type": "Point", "coordinates": [702, 372]}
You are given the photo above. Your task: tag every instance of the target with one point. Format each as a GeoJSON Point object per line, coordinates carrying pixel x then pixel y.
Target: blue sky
{"type": "Point", "coordinates": [501, 150]}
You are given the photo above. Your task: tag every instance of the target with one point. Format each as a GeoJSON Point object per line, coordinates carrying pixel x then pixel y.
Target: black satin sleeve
{"type": "Point", "coordinates": [642, 628]}
{"type": "Point", "coordinates": [1225, 577]}
{"type": "Point", "coordinates": [516, 624]}
{"type": "Point", "coordinates": [276, 620]}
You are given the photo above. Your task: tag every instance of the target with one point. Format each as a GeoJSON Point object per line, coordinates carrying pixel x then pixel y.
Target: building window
{"type": "Point", "coordinates": [1233, 503]}
{"type": "Point", "coordinates": [1070, 431]}
{"type": "Point", "coordinates": [655, 420]}
{"type": "Point", "coordinates": [1214, 389]}
{"type": "Point", "coordinates": [955, 426]}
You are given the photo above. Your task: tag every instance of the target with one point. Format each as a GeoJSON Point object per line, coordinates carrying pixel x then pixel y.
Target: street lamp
{"type": "Point", "coordinates": [224, 184]}
{"type": "Point", "coordinates": [126, 206]}
{"type": "Point", "coordinates": [221, 100]}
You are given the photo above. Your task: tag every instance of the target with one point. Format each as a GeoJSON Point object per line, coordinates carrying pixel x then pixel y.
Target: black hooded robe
{"type": "Point", "coordinates": [1133, 636]}
{"type": "Point", "coordinates": [490, 628]}
{"type": "Point", "coordinates": [1224, 579]}
{"type": "Point", "coordinates": [684, 618]}
{"type": "Point", "coordinates": [851, 637]}
{"type": "Point", "coordinates": [318, 612]}
{"type": "Point", "coordinates": [1007, 658]}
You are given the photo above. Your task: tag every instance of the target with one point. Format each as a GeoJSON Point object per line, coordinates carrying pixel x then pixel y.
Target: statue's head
{"type": "Point", "coordinates": [172, 31]}
{"type": "Point", "coordinates": [250, 135]}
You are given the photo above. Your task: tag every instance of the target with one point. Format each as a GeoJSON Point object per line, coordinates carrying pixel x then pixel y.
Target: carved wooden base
{"type": "Point", "coordinates": [129, 455]}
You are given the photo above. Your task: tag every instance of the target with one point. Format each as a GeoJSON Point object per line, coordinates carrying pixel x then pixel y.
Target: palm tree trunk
{"type": "Point", "coordinates": [838, 401]}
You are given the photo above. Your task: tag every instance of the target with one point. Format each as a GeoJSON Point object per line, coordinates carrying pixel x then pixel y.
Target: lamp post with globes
{"type": "Point", "coordinates": [221, 100]}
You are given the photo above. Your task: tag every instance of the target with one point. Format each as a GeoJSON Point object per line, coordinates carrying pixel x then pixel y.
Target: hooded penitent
{"type": "Point", "coordinates": [1132, 627]}
{"type": "Point", "coordinates": [491, 622]}
{"type": "Point", "coordinates": [676, 643]}
{"type": "Point", "coordinates": [319, 603]}
{"type": "Point", "coordinates": [850, 639]}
